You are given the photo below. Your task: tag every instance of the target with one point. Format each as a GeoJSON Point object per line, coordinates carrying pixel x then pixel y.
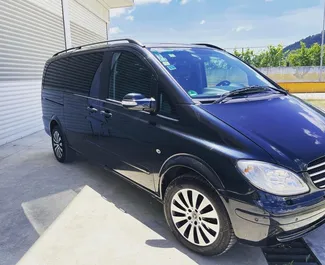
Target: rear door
{"type": "Point", "coordinates": [82, 120]}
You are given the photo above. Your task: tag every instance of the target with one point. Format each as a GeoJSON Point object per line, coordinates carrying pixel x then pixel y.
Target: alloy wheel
{"type": "Point", "coordinates": [195, 217]}
{"type": "Point", "coordinates": [57, 144]}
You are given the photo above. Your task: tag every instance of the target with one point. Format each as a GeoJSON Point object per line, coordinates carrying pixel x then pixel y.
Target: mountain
{"type": "Point", "coordinates": [309, 41]}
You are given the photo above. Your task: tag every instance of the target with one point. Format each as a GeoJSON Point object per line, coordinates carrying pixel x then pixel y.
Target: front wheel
{"type": "Point", "coordinates": [197, 217]}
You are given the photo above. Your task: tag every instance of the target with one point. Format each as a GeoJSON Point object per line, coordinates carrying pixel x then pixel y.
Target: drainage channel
{"type": "Point", "coordinates": [293, 253]}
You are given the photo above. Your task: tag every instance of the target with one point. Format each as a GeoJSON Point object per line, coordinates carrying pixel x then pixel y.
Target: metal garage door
{"type": "Point", "coordinates": [86, 27]}
{"type": "Point", "coordinates": [30, 32]}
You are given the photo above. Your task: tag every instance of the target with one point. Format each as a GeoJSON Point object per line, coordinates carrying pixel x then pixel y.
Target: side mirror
{"type": "Point", "coordinates": [135, 101]}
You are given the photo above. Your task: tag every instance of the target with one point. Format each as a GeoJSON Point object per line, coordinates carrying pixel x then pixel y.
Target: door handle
{"type": "Point", "coordinates": [92, 110]}
{"type": "Point", "coordinates": [106, 114]}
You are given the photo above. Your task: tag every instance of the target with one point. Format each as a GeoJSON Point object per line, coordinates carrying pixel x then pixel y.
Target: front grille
{"type": "Point", "coordinates": [316, 171]}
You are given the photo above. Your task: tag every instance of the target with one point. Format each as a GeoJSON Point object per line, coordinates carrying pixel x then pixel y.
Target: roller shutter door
{"type": "Point", "coordinates": [31, 31]}
{"type": "Point", "coordinates": [86, 27]}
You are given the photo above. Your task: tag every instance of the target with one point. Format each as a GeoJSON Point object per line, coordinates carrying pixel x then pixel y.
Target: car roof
{"type": "Point", "coordinates": [172, 45]}
{"type": "Point", "coordinates": [126, 43]}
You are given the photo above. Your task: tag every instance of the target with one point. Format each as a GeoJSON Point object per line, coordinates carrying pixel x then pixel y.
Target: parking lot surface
{"type": "Point", "coordinates": [35, 189]}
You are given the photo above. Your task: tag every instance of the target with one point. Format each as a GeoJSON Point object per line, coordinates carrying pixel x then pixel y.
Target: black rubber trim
{"type": "Point", "coordinates": [296, 253]}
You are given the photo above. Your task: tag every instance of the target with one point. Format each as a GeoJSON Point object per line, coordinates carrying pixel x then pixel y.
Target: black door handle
{"type": "Point", "coordinates": [106, 114]}
{"type": "Point", "coordinates": [92, 110]}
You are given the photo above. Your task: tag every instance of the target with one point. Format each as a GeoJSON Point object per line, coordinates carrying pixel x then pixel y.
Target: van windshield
{"type": "Point", "coordinates": [207, 73]}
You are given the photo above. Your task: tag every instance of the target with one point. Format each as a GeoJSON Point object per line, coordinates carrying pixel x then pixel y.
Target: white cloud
{"type": "Point", "coordinates": [202, 22]}
{"type": "Point", "coordinates": [243, 28]}
{"type": "Point", "coordinates": [183, 2]}
{"type": "Point", "coordinates": [268, 0]}
{"type": "Point", "coordinates": [143, 2]}
{"type": "Point", "coordinates": [115, 30]}
{"type": "Point", "coordinates": [236, 27]}
{"type": "Point", "coordinates": [117, 12]}
{"type": "Point", "coordinates": [131, 18]}
{"type": "Point", "coordinates": [131, 10]}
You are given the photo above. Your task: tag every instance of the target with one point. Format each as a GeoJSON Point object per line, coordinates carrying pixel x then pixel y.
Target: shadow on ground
{"type": "Point", "coordinates": [32, 183]}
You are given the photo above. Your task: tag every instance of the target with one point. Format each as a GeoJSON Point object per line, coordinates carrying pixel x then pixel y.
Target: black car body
{"type": "Point", "coordinates": [164, 129]}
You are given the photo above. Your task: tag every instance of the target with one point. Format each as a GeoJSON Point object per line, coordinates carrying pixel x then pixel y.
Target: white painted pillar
{"type": "Point", "coordinates": [66, 23]}
{"type": "Point", "coordinates": [108, 23]}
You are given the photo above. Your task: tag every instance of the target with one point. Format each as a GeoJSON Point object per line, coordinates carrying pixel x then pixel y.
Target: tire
{"type": "Point", "coordinates": [62, 152]}
{"type": "Point", "coordinates": [204, 228]}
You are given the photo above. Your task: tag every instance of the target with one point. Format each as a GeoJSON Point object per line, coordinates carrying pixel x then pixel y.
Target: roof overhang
{"type": "Point", "coordinates": [116, 3]}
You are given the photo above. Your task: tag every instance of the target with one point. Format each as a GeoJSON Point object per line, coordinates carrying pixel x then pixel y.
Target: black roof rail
{"type": "Point", "coordinates": [101, 42]}
{"type": "Point", "coordinates": [209, 45]}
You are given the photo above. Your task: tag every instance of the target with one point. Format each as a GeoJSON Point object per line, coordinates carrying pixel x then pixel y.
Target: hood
{"type": "Point", "coordinates": [292, 132]}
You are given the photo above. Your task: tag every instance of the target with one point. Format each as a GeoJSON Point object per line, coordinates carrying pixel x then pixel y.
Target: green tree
{"type": "Point", "coordinates": [246, 55]}
{"type": "Point", "coordinates": [300, 57]}
{"type": "Point", "coordinates": [315, 52]}
{"type": "Point", "coordinates": [274, 56]}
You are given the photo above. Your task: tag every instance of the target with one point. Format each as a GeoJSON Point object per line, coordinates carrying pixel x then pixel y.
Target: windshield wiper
{"type": "Point", "coordinates": [280, 90]}
{"type": "Point", "coordinates": [243, 91]}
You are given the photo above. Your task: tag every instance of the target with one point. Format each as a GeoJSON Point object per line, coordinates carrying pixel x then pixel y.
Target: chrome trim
{"type": "Point", "coordinates": [167, 118]}
{"type": "Point", "coordinates": [316, 166]}
{"type": "Point", "coordinates": [322, 187]}
{"type": "Point", "coordinates": [319, 180]}
{"type": "Point", "coordinates": [113, 100]}
{"type": "Point", "coordinates": [317, 173]}
{"type": "Point", "coordinates": [152, 193]}
{"type": "Point", "coordinates": [138, 168]}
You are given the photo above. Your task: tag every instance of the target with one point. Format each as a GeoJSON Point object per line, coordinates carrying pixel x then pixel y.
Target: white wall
{"type": "Point", "coordinates": [31, 32]}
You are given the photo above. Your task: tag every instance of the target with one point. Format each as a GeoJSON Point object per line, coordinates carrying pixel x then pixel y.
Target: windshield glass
{"type": "Point", "coordinates": [206, 72]}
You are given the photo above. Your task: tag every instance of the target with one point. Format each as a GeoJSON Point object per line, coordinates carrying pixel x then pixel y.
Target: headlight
{"type": "Point", "coordinates": [271, 178]}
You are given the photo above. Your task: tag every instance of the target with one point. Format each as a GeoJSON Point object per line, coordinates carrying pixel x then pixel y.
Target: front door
{"type": "Point", "coordinates": [126, 140]}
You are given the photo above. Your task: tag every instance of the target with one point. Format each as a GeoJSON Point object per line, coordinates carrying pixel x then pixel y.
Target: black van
{"type": "Point", "coordinates": [231, 155]}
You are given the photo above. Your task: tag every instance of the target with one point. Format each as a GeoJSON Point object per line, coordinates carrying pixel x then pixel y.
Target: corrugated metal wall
{"type": "Point", "coordinates": [30, 32]}
{"type": "Point", "coordinates": [86, 26]}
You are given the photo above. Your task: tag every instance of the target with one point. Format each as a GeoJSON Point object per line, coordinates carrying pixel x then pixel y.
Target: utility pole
{"type": "Point", "coordinates": [322, 49]}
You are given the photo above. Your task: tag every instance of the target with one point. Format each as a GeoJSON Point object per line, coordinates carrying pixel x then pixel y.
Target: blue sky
{"type": "Point", "coordinates": [227, 23]}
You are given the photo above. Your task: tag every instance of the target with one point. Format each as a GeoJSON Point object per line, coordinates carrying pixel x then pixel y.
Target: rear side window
{"type": "Point", "coordinates": [75, 73]}
{"type": "Point", "coordinates": [129, 74]}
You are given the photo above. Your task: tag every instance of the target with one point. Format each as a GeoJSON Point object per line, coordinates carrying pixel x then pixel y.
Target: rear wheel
{"type": "Point", "coordinates": [197, 217]}
{"type": "Point", "coordinates": [62, 152]}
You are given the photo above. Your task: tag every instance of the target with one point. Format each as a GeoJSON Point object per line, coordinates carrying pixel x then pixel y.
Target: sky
{"type": "Point", "coordinates": [227, 23]}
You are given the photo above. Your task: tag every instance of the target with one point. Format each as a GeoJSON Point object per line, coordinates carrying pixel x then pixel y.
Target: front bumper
{"type": "Point", "coordinates": [257, 227]}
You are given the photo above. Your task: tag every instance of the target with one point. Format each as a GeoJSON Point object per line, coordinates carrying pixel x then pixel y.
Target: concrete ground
{"type": "Point", "coordinates": [311, 96]}
{"type": "Point", "coordinates": [35, 189]}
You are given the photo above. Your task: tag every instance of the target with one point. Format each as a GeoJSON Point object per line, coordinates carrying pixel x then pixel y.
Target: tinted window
{"type": "Point", "coordinates": [74, 73]}
{"type": "Point", "coordinates": [129, 75]}
{"type": "Point", "coordinates": [166, 106]}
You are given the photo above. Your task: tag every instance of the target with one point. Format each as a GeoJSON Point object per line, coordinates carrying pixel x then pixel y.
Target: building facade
{"type": "Point", "coordinates": [31, 31]}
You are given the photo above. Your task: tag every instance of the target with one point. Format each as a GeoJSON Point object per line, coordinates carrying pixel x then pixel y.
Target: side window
{"type": "Point", "coordinates": [167, 108]}
{"type": "Point", "coordinates": [129, 75]}
{"type": "Point", "coordinates": [82, 70]}
{"type": "Point", "coordinates": [75, 73]}
{"type": "Point", "coordinates": [54, 77]}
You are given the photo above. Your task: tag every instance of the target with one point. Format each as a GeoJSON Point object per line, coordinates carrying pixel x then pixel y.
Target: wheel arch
{"type": "Point", "coordinates": [180, 164]}
{"type": "Point", "coordinates": [55, 121]}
